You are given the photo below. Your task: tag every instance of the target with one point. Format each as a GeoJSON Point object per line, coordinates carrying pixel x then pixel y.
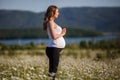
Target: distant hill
{"type": "Point", "coordinates": [106, 19]}
{"type": "Point", "coordinates": [19, 19]}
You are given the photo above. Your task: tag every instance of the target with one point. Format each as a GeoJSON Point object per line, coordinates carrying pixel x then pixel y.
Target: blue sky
{"type": "Point", "coordinates": [41, 5]}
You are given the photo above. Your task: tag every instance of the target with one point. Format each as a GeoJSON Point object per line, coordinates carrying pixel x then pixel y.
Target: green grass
{"type": "Point", "coordinates": [75, 64]}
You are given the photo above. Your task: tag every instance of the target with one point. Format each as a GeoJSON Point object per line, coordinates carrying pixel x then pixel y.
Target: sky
{"type": "Point", "coordinates": [41, 5]}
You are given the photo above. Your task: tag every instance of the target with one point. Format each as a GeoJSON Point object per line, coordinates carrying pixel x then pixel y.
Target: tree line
{"type": "Point", "coordinates": [39, 33]}
{"type": "Point", "coordinates": [110, 46]}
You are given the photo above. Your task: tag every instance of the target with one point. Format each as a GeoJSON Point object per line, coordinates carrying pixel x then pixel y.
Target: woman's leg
{"type": "Point", "coordinates": [50, 57]}
{"type": "Point", "coordinates": [53, 55]}
{"type": "Point", "coordinates": [56, 57]}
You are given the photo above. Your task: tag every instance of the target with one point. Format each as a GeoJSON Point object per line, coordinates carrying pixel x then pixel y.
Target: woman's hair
{"type": "Point", "coordinates": [48, 15]}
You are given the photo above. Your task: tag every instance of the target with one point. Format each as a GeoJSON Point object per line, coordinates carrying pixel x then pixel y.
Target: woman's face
{"type": "Point", "coordinates": [56, 13]}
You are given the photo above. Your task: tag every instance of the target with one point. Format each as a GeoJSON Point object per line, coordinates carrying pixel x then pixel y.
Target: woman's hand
{"type": "Point", "coordinates": [63, 31]}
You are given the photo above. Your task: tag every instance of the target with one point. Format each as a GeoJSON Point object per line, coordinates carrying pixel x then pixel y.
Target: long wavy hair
{"type": "Point", "coordinates": [48, 15]}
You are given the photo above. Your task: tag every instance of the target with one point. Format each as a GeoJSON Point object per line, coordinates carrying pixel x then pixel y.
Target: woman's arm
{"type": "Point", "coordinates": [53, 33]}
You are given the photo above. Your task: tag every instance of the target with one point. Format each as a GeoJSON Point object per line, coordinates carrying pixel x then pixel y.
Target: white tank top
{"type": "Point", "coordinates": [59, 42]}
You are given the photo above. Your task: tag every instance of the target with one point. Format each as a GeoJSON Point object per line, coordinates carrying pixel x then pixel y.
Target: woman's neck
{"type": "Point", "coordinates": [52, 19]}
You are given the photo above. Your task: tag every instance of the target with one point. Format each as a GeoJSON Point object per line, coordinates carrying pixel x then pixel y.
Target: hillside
{"type": "Point", "coordinates": [106, 19]}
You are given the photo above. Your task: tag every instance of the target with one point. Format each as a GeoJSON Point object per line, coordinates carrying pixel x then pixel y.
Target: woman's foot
{"type": "Point", "coordinates": [52, 76]}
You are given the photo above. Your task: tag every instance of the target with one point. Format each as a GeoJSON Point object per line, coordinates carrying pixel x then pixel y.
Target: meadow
{"type": "Point", "coordinates": [76, 63]}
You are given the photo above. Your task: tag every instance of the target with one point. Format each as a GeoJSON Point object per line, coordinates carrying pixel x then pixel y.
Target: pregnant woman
{"type": "Point", "coordinates": [56, 40]}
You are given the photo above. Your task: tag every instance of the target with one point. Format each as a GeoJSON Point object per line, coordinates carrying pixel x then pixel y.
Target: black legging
{"type": "Point", "coordinates": [53, 55]}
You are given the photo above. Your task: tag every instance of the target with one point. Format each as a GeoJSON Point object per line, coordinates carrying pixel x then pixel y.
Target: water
{"type": "Point", "coordinates": [45, 41]}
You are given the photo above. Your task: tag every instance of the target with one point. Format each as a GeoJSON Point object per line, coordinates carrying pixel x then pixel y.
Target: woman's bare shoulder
{"type": "Point", "coordinates": [51, 24]}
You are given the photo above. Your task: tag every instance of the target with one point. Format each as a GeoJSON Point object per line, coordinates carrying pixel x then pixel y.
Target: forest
{"type": "Point", "coordinates": [39, 33]}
